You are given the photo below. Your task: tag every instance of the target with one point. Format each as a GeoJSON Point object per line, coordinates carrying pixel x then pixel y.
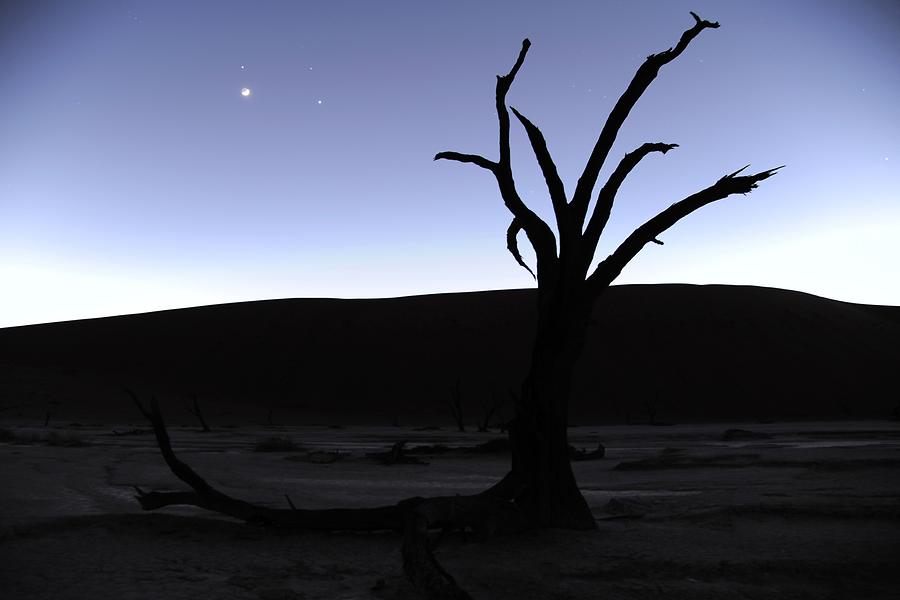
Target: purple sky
{"type": "Point", "coordinates": [134, 176]}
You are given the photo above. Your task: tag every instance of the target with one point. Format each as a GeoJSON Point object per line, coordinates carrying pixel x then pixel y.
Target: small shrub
{"type": "Point", "coordinates": [28, 438]}
{"type": "Point", "coordinates": [276, 444]}
{"type": "Point", "coordinates": [324, 457]}
{"type": "Point", "coordinates": [66, 440]}
{"type": "Point", "coordinates": [494, 446]}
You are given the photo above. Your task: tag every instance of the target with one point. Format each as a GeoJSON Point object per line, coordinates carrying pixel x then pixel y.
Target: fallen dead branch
{"type": "Point", "coordinates": [396, 455]}
{"type": "Point", "coordinates": [486, 513]}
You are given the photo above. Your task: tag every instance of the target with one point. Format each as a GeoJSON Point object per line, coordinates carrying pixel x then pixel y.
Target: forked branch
{"type": "Point", "coordinates": [541, 236]}
{"type": "Point", "coordinates": [607, 195]}
{"type": "Point", "coordinates": [644, 76]}
{"type": "Point", "coordinates": [554, 184]}
{"type": "Point", "coordinates": [504, 82]}
{"type": "Point", "coordinates": [730, 184]}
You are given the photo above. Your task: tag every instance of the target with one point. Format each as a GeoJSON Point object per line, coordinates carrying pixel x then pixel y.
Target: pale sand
{"type": "Point", "coordinates": [813, 512]}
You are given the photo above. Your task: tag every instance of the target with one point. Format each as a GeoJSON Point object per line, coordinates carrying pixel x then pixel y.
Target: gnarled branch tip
{"type": "Point", "coordinates": [732, 175]}
{"type": "Point", "coordinates": [512, 245]}
{"type": "Point", "coordinates": [704, 23]}
{"type": "Point", "coordinates": [507, 79]}
{"type": "Point", "coordinates": [475, 159]}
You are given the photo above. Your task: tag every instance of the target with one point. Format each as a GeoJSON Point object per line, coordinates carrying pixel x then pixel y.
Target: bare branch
{"type": "Point", "coordinates": [607, 194]}
{"type": "Point", "coordinates": [513, 246]}
{"type": "Point", "coordinates": [503, 84]}
{"type": "Point", "coordinates": [180, 469]}
{"type": "Point", "coordinates": [539, 233]}
{"type": "Point", "coordinates": [475, 159]}
{"type": "Point", "coordinates": [198, 413]}
{"type": "Point", "coordinates": [137, 403]}
{"type": "Point", "coordinates": [541, 236]}
{"type": "Point", "coordinates": [206, 496]}
{"type": "Point", "coordinates": [644, 76]}
{"type": "Point", "coordinates": [548, 168]}
{"type": "Point", "coordinates": [414, 516]}
{"type": "Point", "coordinates": [728, 185]}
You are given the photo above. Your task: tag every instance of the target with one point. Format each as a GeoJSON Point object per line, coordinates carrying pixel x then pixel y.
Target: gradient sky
{"type": "Point", "coordinates": [134, 176]}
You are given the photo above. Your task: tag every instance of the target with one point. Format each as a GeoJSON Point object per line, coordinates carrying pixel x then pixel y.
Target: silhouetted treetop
{"type": "Point", "coordinates": [577, 242]}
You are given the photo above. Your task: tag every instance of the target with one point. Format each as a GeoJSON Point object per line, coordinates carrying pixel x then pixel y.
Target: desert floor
{"type": "Point", "coordinates": [807, 510]}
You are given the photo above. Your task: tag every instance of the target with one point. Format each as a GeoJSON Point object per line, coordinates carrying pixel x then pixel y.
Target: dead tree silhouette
{"type": "Point", "coordinates": [540, 489]}
{"type": "Point", "coordinates": [566, 287]}
{"type": "Point", "coordinates": [198, 413]}
{"type": "Point", "coordinates": [454, 403]}
{"type": "Point", "coordinates": [488, 409]}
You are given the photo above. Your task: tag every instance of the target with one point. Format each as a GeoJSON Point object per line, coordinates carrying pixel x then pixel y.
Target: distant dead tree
{"type": "Point", "coordinates": [194, 409]}
{"type": "Point", "coordinates": [488, 410]}
{"type": "Point", "coordinates": [539, 490]}
{"type": "Point", "coordinates": [454, 403]}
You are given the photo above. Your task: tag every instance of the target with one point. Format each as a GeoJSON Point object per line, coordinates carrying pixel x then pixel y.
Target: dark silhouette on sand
{"type": "Point", "coordinates": [541, 479]}
{"type": "Point", "coordinates": [194, 409]}
{"type": "Point", "coordinates": [454, 403]}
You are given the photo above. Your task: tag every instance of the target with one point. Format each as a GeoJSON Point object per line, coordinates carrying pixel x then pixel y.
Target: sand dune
{"type": "Point", "coordinates": [670, 353]}
{"type": "Point", "coordinates": [792, 509]}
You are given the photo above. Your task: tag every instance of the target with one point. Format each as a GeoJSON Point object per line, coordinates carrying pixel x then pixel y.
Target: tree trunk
{"type": "Point", "coordinates": [539, 439]}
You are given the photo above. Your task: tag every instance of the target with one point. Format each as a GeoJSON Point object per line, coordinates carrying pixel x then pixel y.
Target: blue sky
{"type": "Point", "coordinates": [134, 176]}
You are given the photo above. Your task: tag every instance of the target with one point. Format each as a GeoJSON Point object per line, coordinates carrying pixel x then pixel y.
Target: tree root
{"type": "Point", "coordinates": [488, 512]}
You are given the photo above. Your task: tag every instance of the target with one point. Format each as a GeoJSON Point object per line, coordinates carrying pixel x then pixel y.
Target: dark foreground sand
{"type": "Point", "coordinates": [812, 511]}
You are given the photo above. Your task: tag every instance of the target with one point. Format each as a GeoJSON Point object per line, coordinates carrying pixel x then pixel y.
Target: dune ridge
{"type": "Point", "coordinates": [656, 353]}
